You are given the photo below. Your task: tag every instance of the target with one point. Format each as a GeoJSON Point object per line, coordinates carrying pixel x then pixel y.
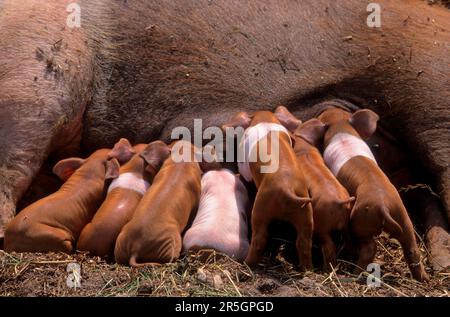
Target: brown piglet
{"type": "Point", "coordinates": [124, 194]}
{"type": "Point", "coordinates": [270, 162]}
{"type": "Point", "coordinates": [331, 202]}
{"type": "Point", "coordinates": [55, 222]}
{"type": "Point", "coordinates": [154, 234]}
{"type": "Point", "coordinates": [378, 205]}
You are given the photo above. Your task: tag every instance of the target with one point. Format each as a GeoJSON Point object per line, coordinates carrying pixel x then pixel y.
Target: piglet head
{"type": "Point", "coordinates": [240, 119]}
{"type": "Point", "coordinates": [154, 155]}
{"type": "Point", "coordinates": [96, 164]}
{"type": "Point", "coordinates": [112, 169]}
{"type": "Point", "coordinates": [365, 122]}
{"type": "Point", "coordinates": [65, 168]}
{"type": "Point", "coordinates": [122, 151]}
{"type": "Point", "coordinates": [286, 118]}
{"type": "Point", "coordinates": [334, 115]}
{"type": "Point", "coordinates": [312, 131]}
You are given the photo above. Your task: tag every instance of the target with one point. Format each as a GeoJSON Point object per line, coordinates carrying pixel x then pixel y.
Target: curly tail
{"type": "Point", "coordinates": [391, 226]}
{"type": "Point", "coordinates": [350, 200]}
{"type": "Point", "coordinates": [134, 263]}
{"type": "Point", "coordinates": [299, 200]}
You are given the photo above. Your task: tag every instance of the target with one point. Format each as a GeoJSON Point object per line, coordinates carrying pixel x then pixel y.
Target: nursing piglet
{"type": "Point", "coordinates": [153, 235]}
{"type": "Point", "coordinates": [221, 222]}
{"type": "Point", "coordinates": [378, 205]}
{"type": "Point", "coordinates": [124, 194]}
{"type": "Point", "coordinates": [270, 162]}
{"type": "Point", "coordinates": [330, 200]}
{"type": "Point", "coordinates": [55, 222]}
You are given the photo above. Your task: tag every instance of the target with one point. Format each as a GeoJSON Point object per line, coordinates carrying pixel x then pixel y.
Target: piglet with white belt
{"type": "Point", "coordinates": [124, 194]}
{"type": "Point", "coordinates": [221, 221]}
{"type": "Point", "coordinates": [378, 206]}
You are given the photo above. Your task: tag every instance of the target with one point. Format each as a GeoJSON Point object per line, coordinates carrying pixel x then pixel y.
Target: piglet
{"type": "Point", "coordinates": [55, 222]}
{"type": "Point", "coordinates": [270, 162]}
{"type": "Point", "coordinates": [378, 205]}
{"type": "Point", "coordinates": [221, 222]}
{"type": "Point", "coordinates": [154, 233]}
{"type": "Point", "coordinates": [124, 194]}
{"type": "Point", "coordinates": [330, 200]}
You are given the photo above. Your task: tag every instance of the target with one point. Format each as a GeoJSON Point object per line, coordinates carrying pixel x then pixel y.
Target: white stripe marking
{"type": "Point", "coordinates": [253, 135]}
{"type": "Point", "coordinates": [130, 181]}
{"type": "Point", "coordinates": [343, 147]}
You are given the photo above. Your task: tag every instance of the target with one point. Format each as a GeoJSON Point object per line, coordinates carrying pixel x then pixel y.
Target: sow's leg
{"type": "Point", "coordinates": [437, 237]}
{"type": "Point", "coordinates": [44, 75]}
{"type": "Point", "coordinates": [421, 203]}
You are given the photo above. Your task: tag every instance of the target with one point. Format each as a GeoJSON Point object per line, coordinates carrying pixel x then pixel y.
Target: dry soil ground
{"type": "Point", "coordinates": [211, 275]}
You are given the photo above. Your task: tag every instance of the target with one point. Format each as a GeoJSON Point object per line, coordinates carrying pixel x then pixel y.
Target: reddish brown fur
{"type": "Point", "coordinates": [145, 67]}
{"type": "Point", "coordinates": [55, 222]}
{"type": "Point", "coordinates": [99, 236]}
{"type": "Point", "coordinates": [154, 232]}
{"type": "Point", "coordinates": [201, 63]}
{"type": "Point", "coordinates": [331, 202]}
{"type": "Point", "coordinates": [376, 199]}
{"type": "Point", "coordinates": [282, 195]}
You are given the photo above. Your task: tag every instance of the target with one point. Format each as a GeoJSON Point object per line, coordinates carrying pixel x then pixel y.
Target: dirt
{"type": "Point", "coordinates": [212, 274]}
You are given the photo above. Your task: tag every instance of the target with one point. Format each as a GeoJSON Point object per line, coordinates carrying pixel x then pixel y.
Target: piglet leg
{"type": "Point", "coordinates": [328, 251]}
{"type": "Point", "coordinates": [49, 239]}
{"type": "Point", "coordinates": [303, 224]}
{"type": "Point", "coordinates": [260, 223]}
{"type": "Point", "coordinates": [367, 250]}
{"type": "Point", "coordinates": [408, 242]}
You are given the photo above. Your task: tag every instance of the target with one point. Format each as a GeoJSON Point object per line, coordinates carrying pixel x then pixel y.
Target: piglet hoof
{"type": "Point", "coordinates": [135, 264]}
{"type": "Point", "coordinates": [419, 274]}
{"type": "Point", "coordinates": [439, 247]}
{"type": "Point", "coordinates": [305, 264]}
{"type": "Point", "coordinates": [328, 267]}
{"type": "Point", "coordinates": [305, 268]}
{"type": "Point", "coordinates": [251, 261]}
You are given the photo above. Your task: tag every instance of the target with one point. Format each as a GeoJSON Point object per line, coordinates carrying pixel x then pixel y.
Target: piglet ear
{"type": "Point", "coordinates": [241, 119]}
{"type": "Point", "coordinates": [112, 169]}
{"type": "Point", "coordinates": [122, 151]}
{"type": "Point", "coordinates": [286, 118]}
{"type": "Point", "coordinates": [155, 154]}
{"type": "Point", "coordinates": [311, 131]}
{"type": "Point", "coordinates": [65, 168]}
{"type": "Point", "coordinates": [365, 122]}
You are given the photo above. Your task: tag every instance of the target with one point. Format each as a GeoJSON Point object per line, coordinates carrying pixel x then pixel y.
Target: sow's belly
{"type": "Point", "coordinates": [160, 65]}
